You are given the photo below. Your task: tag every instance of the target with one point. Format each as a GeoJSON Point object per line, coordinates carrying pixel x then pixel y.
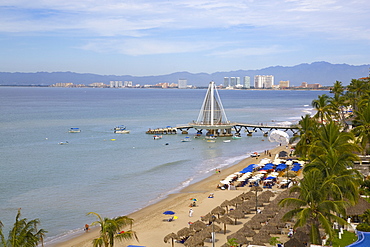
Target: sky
{"type": "Point", "coordinates": [157, 37]}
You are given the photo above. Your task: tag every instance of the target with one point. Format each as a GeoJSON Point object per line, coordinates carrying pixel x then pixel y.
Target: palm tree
{"type": "Point", "coordinates": [356, 90]}
{"type": "Point", "coordinates": [332, 153]}
{"type": "Point", "coordinates": [307, 130]}
{"type": "Point", "coordinates": [111, 229]}
{"type": "Point", "coordinates": [337, 103]}
{"type": "Point", "coordinates": [23, 233]}
{"type": "Point", "coordinates": [313, 207]}
{"type": "Point", "coordinates": [362, 124]}
{"type": "Point", "coordinates": [322, 107]}
{"type": "Point", "coordinates": [330, 138]}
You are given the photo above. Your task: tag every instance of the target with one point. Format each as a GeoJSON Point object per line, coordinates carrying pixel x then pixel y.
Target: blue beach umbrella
{"type": "Point", "coordinates": [168, 212]}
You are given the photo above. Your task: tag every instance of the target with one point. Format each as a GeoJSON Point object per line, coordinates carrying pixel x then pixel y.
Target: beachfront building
{"type": "Point", "coordinates": [246, 82]}
{"type": "Point", "coordinates": [226, 82]}
{"type": "Point", "coordinates": [115, 84]}
{"type": "Point", "coordinates": [127, 84]}
{"type": "Point", "coordinates": [263, 81]}
{"type": "Point", "coordinates": [284, 84]}
{"type": "Point", "coordinates": [238, 82]}
{"type": "Point", "coordinates": [232, 82]}
{"type": "Point", "coordinates": [182, 83]}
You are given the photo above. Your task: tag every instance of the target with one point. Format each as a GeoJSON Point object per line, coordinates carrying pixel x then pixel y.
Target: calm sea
{"type": "Point", "coordinates": [116, 174]}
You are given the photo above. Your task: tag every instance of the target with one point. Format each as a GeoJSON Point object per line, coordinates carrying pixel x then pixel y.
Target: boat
{"type": "Point", "coordinates": [211, 140]}
{"type": "Point", "coordinates": [236, 137]}
{"type": "Point", "coordinates": [212, 137]}
{"type": "Point", "coordinates": [121, 129]}
{"type": "Point", "coordinates": [74, 130]}
{"type": "Point", "coordinates": [227, 140]}
{"type": "Point", "coordinates": [63, 143]}
{"type": "Point", "coordinates": [157, 137]}
{"type": "Point", "coordinates": [186, 139]}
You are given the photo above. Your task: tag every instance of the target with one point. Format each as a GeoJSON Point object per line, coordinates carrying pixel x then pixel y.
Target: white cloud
{"type": "Point", "coordinates": [255, 51]}
{"type": "Point", "coordinates": [194, 14]}
{"type": "Point", "coordinates": [136, 47]}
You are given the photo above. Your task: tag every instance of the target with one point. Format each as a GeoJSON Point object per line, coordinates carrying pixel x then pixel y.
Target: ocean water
{"type": "Point", "coordinates": [116, 174]}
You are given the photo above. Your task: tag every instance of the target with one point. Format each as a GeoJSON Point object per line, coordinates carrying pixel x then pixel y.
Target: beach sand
{"type": "Point", "coordinates": [150, 222]}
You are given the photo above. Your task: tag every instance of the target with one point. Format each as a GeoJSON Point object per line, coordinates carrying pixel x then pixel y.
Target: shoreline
{"type": "Point", "coordinates": [149, 221]}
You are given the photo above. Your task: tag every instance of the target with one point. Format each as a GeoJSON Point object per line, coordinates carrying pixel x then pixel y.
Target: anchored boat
{"type": "Point", "coordinates": [186, 139]}
{"type": "Point", "coordinates": [74, 130]}
{"type": "Point", "coordinates": [121, 129]}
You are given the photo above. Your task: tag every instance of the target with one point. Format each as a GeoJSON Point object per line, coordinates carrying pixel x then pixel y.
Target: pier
{"type": "Point", "coordinates": [237, 127]}
{"type": "Point", "coordinates": [212, 119]}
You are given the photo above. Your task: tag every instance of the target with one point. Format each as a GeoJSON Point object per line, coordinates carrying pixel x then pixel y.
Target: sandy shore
{"type": "Point", "coordinates": [150, 223]}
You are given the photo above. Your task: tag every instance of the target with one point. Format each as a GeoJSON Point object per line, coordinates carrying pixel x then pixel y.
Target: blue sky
{"type": "Point", "coordinates": [142, 37]}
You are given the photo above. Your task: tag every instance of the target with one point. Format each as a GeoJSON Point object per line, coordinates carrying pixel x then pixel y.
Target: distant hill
{"type": "Point", "coordinates": [318, 72]}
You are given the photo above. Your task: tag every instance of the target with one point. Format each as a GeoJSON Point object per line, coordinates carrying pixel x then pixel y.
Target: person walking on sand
{"type": "Point", "coordinates": [86, 228]}
{"type": "Point", "coordinates": [190, 212]}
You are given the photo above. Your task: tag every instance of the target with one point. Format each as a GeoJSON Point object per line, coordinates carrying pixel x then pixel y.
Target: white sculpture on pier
{"type": "Point", "coordinates": [212, 112]}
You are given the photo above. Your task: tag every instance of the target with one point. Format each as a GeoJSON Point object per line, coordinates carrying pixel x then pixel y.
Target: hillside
{"type": "Point", "coordinates": [318, 72]}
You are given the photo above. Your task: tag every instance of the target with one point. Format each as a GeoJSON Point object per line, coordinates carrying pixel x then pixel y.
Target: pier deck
{"type": "Point", "coordinates": [238, 127]}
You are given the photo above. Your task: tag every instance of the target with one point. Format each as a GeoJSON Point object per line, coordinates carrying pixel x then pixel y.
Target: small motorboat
{"type": "Point", "coordinates": [227, 140]}
{"type": "Point", "coordinates": [74, 130]}
{"type": "Point", "coordinates": [121, 129]}
{"type": "Point", "coordinates": [236, 137]}
{"type": "Point", "coordinates": [63, 143]}
{"type": "Point", "coordinates": [157, 137]}
{"type": "Point", "coordinates": [186, 139]}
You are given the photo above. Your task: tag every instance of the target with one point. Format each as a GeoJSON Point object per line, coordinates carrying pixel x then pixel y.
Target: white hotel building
{"type": "Point", "coordinates": [263, 81]}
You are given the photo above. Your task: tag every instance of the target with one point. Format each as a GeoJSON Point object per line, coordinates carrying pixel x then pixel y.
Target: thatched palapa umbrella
{"type": "Point", "coordinates": [358, 209]}
{"type": "Point", "coordinates": [259, 218]}
{"type": "Point", "coordinates": [198, 226]}
{"type": "Point", "coordinates": [293, 242]}
{"type": "Point", "coordinates": [226, 204]}
{"type": "Point", "coordinates": [254, 225]}
{"type": "Point", "coordinates": [171, 236]}
{"type": "Point", "coordinates": [263, 237]}
{"type": "Point", "coordinates": [194, 242]}
{"type": "Point", "coordinates": [218, 210]}
{"type": "Point", "coordinates": [236, 201]}
{"type": "Point", "coordinates": [225, 220]}
{"type": "Point", "coordinates": [239, 238]}
{"type": "Point", "coordinates": [246, 231]}
{"type": "Point", "coordinates": [211, 228]}
{"type": "Point", "coordinates": [208, 218]}
{"type": "Point", "coordinates": [271, 229]}
{"type": "Point", "coordinates": [236, 214]}
{"type": "Point", "coordinates": [185, 232]}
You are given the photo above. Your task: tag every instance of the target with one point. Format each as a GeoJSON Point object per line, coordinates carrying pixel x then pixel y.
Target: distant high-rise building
{"type": "Point", "coordinates": [183, 83]}
{"type": "Point", "coordinates": [284, 84]}
{"type": "Point", "coordinates": [247, 82]}
{"type": "Point", "coordinates": [127, 84]}
{"type": "Point", "coordinates": [115, 84]}
{"type": "Point", "coordinates": [226, 82]}
{"type": "Point", "coordinates": [263, 81]}
{"type": "Point", "coordinates": [232, 81]}
{"type": "Point", "coordinates": [238, 83]}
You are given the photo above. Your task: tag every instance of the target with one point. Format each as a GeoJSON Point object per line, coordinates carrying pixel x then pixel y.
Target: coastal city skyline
{"type": "Point", "coordinates": [160, 37]}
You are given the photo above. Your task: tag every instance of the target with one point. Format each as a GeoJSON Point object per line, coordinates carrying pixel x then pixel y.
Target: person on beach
{"type": "Point", "coordinates": [86, 229]}
{"type": "Point", "coordinates": [191, 212]}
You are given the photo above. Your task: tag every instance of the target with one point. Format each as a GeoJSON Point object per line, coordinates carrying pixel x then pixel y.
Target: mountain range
{"type": "Point", "coordinates": [323, 73]}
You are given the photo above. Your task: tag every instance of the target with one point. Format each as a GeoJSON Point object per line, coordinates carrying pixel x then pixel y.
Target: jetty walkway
{"type": "Point", "coordinates": [237, 127]}
{"type": "Point", "coordinates": [212, 118]}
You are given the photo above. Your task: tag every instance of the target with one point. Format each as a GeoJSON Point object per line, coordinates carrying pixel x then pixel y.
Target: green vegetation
{"type": "Point", "coordinates": [112, 229]}
{"type": "Point", "coordinates": [330, 146]}
{"type": "Point", "coordinates": [274, 241]}
{"type": "Point", "coordinates": [23, 233]}
{"type": "Point", "coordinates": [347, 239]}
